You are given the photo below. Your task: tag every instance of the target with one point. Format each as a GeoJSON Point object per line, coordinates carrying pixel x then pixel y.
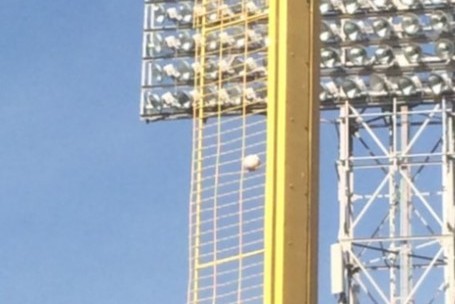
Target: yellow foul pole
{"type": "Point", "coordinates": [291, 238]}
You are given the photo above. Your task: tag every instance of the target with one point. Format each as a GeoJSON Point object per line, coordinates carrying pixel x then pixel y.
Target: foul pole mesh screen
{"type": "Point", "coordinates": [227, 200]}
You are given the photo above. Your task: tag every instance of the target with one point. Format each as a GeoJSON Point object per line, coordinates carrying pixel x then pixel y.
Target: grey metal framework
{"type": "Point", "coordinates": [396, 203]}
{"type": "Point", "coordinates": [387, 66]}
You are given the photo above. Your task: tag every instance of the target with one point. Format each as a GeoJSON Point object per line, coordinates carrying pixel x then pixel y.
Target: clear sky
{"type": "Point", "coordinates": [93, 202]}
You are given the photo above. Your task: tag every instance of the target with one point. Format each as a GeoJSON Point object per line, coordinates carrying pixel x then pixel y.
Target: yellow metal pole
{"type": "Point", "coordinates": [291, 238]}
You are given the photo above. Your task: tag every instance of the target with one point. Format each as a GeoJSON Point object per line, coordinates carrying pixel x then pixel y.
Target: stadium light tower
{"type": "Point", "coordinates": [246, 72]}
{"type": "Point", "coordinates": [387, 66]}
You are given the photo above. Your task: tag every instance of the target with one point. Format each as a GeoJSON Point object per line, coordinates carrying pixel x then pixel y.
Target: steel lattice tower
{"type": "Point", "coordinates": [387, 67]}
{"type": "Point", "coordinates": [395, 235]}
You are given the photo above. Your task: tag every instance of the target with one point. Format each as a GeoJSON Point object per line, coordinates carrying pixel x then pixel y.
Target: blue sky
{"type": "Point", "coordinates": [93, 202]}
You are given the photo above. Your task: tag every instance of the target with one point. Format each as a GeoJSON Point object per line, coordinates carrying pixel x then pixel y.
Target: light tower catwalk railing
{"type": "Point", "coordinates": [388, 67]}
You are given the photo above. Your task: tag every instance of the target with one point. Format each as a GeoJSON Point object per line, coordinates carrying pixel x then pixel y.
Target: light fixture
{"type": "Point", "coordinates": [329, 91]}
{"type": "Point", "coordinates": [382, 4]}
{"type": "Point", "coordinates": [156, 73]}
{"type": "Point", "coordinates": [182, 14]}
{"type": "Point", "coordinates": [410, 24]}
{"type": "Point", "coordinates": [210, 11]}
{"type": "Point", "coordinates": [183, 41]}
{"type": "Point", "coordinates": [440, 21]}
{"type": "Point", "coordinates": [330, 58]}
{"type": "Point", "coordinates": [412, 53]}
{"type": "Point", "coordinates": [352, 6]}
{"type": "Point", "coordinates": [384, 55]}
{"type": "Point", "coordinates": [327, 33]}
{"type": "Point", "coordinates": [379, 85]}
{"type": "Point", "coordinates": [353, 88]}
{"type": "Point", "coordinates": [210, 96]}
{"type": "Point", "coordinates": [257, 37]}
{"type": "Point", "coordinates": [357, 55]}
{"type": "Point", "coordinates": [439, 83]}
{"type": "Point", "coordinates": [187, 41]}
{"type": "Point", "coordinates": [233, 37]}
{"type": "Point", "coordinates": [211, 69]}
{"type": "Point", "coordinates": [180, 71]}
{"type": "Point", "coordinates": [444, 49]}
{"type": "Point", "coordinates": [326, 6]}
{"type": "Point", "coordinates": [408, 85]}
{"type": "Point", "coordinates": [170, 100]}
{"type": "Point", "coordinates": [411, 3]}
{"type": "Point", "coordinates": [159, 13]}
{"type": "Point", "coordinates": [186, 98]}
{"type": "Point", "coordinates": [231, 95]}
{"type": "Point", "coordinates": [382, 27]}
{"type": "Point", "coordinates": [212, 42]}
{"type": "Point", "coordinates": [155, 44]}
{"type": "Point", "coordinates": [256, 92]}
{"type": "Point", "coordinates": [152, 101]}
{"type": "Point", "coordinates": [353, 30]}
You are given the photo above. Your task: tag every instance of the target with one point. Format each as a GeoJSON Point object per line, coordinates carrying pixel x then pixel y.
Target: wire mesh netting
{"type": "Point", "coordinates": [228, 181]}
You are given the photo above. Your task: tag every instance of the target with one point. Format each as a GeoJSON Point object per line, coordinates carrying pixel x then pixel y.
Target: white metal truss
{"type": "Point", "coordinates": [396, 194]}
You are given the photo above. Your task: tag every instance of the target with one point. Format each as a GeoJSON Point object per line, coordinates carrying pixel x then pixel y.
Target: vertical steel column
{"type": "Point", "coordinates": [448, 198]}
{"type": "Point", "coordinates": [396, 214]}
{"type": "Point", "coordinates": [292, 154]}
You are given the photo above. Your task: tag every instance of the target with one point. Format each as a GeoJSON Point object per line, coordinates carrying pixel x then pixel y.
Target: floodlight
{"type": "Point", "coordinates": [169, 99]}
{"type": "Point", "coordinates": [181, 71]}
{"type": "Point", "coordinates": [251, 8]}
{"type": "Point", "coordinates": [444, 49]}
{"type": "Point", "coordinates": [328, 91]}
{"type": "Point", "coordinates": [231, 94]}
{"type": "Point", "coordinates": [210, 12]}
{"type": "Point", "coordinates": [257, 37]}
{"type": "Point", "coordinates": [183, 41]}
{"type": "Point", "coordinates": [351, 6]}
{"type": "Point", "coordinates": [254, 66]}
{"type": "Point", "coordinates": [379, 85]}
{"type": "Point", "coordinates": [327, 34]}
{"type": "Point", "coordinates": [329, 58]}
{"type": "Point", "coordinates": [183, 14]}
{"type": "Point", "coordinates": [154, 45]}
{"type": "Point", "coordinates": [353, 30]}
{"type": "Point", "coordinates": [353, 88]}
{"type": "Point", "coordinates": [384, 55]}
{"type": "Point", "coordinates": [408, 85]}
{"type": "Point", "coordinates": [411, 3]}
{"type": "Point", "coordinates": [326, 6]}
{"type": "Point", "coordinates": [410, 24]}
{"type": "Point", "coordinates": [440, 21]}
{"type": "Point", "coordinates": [357, 55]}
{"type": "Point", "coordinates": [234, 37]}
{"type": "Point", "coordinates": [212, 42]}
{"type": "Point", "coordinates": [225, 10]}
{"type": "Point", "coordinates": [211, 69]}
{"type": "Point", "coordinates": [412, 53]}
{"type": "Point", "coordinates": [186, 98]}
{"type": "Point", "coordinates": [382, 27]}
{"type": "Point", "coordinates": [153, 101]}
{"type": "Point", "coordinates": [439, 83]}
{"type": "Point", "coordinates": [256, 92]}
{"type": "Point", "coordinates": [382, 4]}
{"type": "Point", "coordinates": [156, 73]}
{"type": "Point", "coordinates": [187, 41]}
{"type": "Point", "coordinates": [159, 13]}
